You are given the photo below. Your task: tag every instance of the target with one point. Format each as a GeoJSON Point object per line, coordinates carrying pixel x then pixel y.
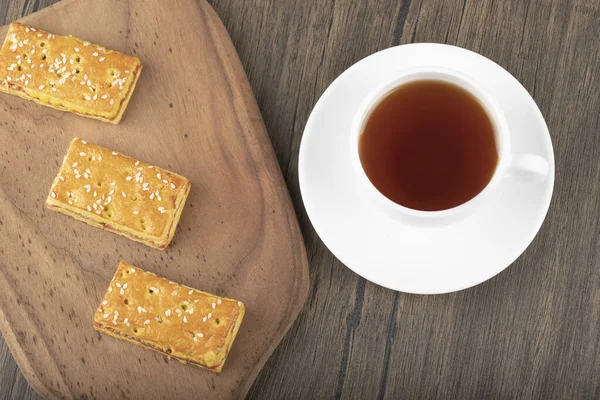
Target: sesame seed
{"type": "Point", "coordinates": [184, 318]}
{"type": "Point", "coordinates": [87, 188]}
{"type": "Point", "coordinates": [106, 316]}
{"type": "Point", "coordinates": [95, 205]}
{"type": "Point", "coordinates": [168, 313]}
{"type": "Point", "coordinates": [195, 301]}
{"type": "Point", "coordinates": [151, 196]}
{"type": "Point", "coordinates": [190, 292]}
{"type": "Point", "coordinates": [173, 185]}
{"type": "Point", "coordinates": [88, 98]}
{"type": "Point", "coordinates": [239, 303]}
{"type": "Point", "coordinates": [99, 158]}
{"type": "Point", "coordinates": [137, 163]}
{"type": "Point", "coordinates": [53, 195]}
{"type": "Point", "coordinates": [128, 178]}
{"type": "Point", "coordinates": [174, 293]}
{"type": "Point", "coordinates": [165, 181]}
{"type": "Point", "coordinates": [204, 319]}
{"type": "Point", "coordinates": [62, 178]}
{"type": "Point", "coordinates": [104, 96]}
{"type": "Point", "coordinates": [39, 35]}
{"type": "Point", "coordinates": [133, 270]}
{"type": "Point", "coordinates": [95, 193]}
{"type": "Point", "coordinates": [89, 208]}
{"type": "Point", "coordinates": [123, 194]}
{"type": "Point", "coordinates": [104, 302]}
{"type": "Point", "coordinates": [126, 322]}
{"type": "Point", "coordinates": [41, 87]}
{"type": "Point", "coordinates": [77, 176]}
{"type": "Point", "coordinates": [118, 285]}
{"type": "Point", "coordinates": [101, 59]}
{"type": "Point", "coordinates": [110, 289]}
{"type": "Point", "coordinates": [74, 164]}
{"type": "Point", "coordinates": [88, 171]}
{"type": "Point", "coordinates": [86, 44]}
{"type": "Point", "coordinates": [158, 176]}
{"type": "Point", "coordinates": [200, 334]}
{"type": "Point", "coordinates": [111, 102]}
{"type": "Point", "coordinates": [139, 309]}
{"type": "Point", "coordinates": [122, 292]}
{"type": "Point", "coordinates": [109, 199]}
{"type": "Point", "coordinates": [26, 29]}
{"type": "Point", "coordinates": [125, 285]}
{"type": "Point", "coordinates": [218, 301]}
{"type": "Point", "coordinates": [209, 316]}
{"type": "Point", "coordinates": [114, 153]}
{"type": "Point", "coordinates": [86, 175]}
{"type": "Point", "coordinates": [162, 210]}
{"type": "Point", "coordinates": [147, 322]}
{"type": "Point", "coordinates": [135, 212]}
{"type": "Point", "coordinates": [195, 339]}
{"type": "Point", "coordinates": [191, 310]}
{"type": "Point", "coordinates": [214, 305]}
{"type": "Point", "coordinates": [95, 54]}
{"type": "Point", "coordinates": [154, 290]}
{"type": "Point", "coordinates": [76, 49]}
{"type": "Point", "coordinates": [95, 97]}
{"type": "Point", "coordinates": [82, 154]}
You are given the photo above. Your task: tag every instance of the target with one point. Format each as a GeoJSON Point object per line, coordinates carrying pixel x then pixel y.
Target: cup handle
{"type": "Point", "coordinates": [529, 164]}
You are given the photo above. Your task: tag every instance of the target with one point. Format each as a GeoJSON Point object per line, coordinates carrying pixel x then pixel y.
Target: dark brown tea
{"type": "Point", "coordinates": [429, 145]}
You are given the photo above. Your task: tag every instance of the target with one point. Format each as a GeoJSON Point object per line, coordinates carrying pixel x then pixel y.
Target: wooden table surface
{"type": "Point", "coordinates": [531, 332]}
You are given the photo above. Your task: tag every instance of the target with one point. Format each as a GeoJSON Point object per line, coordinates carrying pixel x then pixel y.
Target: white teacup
{"type": "Point", "coordinates": [526, 165]}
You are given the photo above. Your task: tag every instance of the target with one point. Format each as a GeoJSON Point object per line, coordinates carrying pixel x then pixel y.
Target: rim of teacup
{"type": "Point", "coordinates": [377, 95]}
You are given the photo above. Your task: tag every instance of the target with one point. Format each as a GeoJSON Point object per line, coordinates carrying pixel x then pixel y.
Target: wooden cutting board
{"type": "Point", "coordinates": [192, 112]}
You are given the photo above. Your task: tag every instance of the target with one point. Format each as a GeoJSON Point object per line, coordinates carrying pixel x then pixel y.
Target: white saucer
{"type": "Point", "coordinates": [401, 256]}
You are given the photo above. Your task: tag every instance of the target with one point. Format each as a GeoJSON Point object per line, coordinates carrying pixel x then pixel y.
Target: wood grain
{"type": "Point", "coordinates": [531, 332]}
{"type": "Point", "coordinates": [192, 112]}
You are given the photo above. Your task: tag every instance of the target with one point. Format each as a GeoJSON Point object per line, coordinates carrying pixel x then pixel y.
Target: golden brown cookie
{"type": "Point", "coordinates": [106, 189]}
{"type": "Point", "coordinates": [67, 73]}
{"type": "Point", "coordinates": [189, 325]}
